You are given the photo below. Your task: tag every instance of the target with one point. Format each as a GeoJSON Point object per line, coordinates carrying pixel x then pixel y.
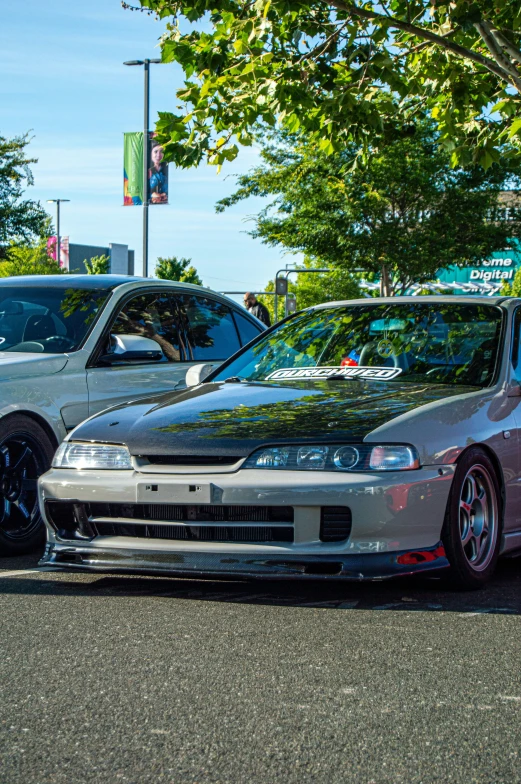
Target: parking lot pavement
{"type": "Point", "coordinates": [142, 679]}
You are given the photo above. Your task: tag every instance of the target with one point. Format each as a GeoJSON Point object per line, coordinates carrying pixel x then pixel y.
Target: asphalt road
{"type": "Point", "coordinates": [140, 679]}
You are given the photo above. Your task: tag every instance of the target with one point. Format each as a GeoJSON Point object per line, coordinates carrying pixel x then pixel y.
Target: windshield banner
{"type": "Point", "coordinates": [376, 373]}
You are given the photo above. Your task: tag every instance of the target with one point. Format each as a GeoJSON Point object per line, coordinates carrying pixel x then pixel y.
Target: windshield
{"type": "Point", "coordinates": [45, 319]}
{"type": "Point", "coordinates": [430, 343]}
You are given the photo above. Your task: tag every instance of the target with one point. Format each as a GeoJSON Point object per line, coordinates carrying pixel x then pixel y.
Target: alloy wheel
{"type": "Point", "coordinates": [478, 517]}
{"type": "Point", "coordinates": [21, 462]}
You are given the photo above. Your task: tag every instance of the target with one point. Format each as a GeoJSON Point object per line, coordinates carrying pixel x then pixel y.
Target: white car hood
{"type": "Point", "coordinates": [19, 364]}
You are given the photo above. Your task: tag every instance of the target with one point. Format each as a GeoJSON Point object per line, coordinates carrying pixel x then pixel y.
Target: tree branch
{"type": "Point", "coordinates": [421, 46]}
{"type": "Point", "coordinates": [494, 48]}
{"type": "Point", "coordinates": [322, 47]}
{"type": "Point", "coordinates": [421, 32]}
{"type": "Point", "coordinates": [503, 41]}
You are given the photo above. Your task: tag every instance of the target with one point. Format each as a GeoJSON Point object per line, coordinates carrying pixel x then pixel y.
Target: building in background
{"type": "Point", "coordinates": [120, 256]}
{"type": "Point", "coordinates": [495, 271]}
{"type": "Point", "coordinates": [489, 275]}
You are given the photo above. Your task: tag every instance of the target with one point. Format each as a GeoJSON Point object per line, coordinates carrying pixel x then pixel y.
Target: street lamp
{"type": "Point", "coordinates": [146, 64]}
{"type": "Point", "coordinates": [57, 202]}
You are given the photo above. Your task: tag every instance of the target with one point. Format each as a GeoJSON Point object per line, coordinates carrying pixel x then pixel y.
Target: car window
{"type": "Point", "coordinates": [516, 342]}
{"type": "Point", "coordinates": [247, 330]}
{"type": "Point", "coordinates": [47, 320]}
{"type": "Point", "coordinates": [212, 329]}
{"type": "Point", "coordinates": [155, 316]}
{"type": "Point", "coordinates": [432, 343]}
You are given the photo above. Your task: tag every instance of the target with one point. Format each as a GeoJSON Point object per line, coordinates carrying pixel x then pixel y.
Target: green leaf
{"type": "Point", "coordinates": [292, 123]}
{"type": "Point", "coordinates": [515, 128]}
{"type": "Point", "coordinates": [326, 146]}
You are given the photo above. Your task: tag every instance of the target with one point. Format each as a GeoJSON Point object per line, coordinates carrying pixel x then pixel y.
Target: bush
{"type": "Point", "coordinates": [177, 269]}
{"type": "Point", "coordinates": [29, 259]}
{"type": "Point", "coordinates": [97, 265]}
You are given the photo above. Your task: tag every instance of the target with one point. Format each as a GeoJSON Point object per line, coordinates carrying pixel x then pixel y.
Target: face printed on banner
{"type": "Point", "coordinates": [157, 155]}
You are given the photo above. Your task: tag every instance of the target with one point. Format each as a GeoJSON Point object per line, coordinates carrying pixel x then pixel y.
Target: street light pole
{"type": "Point", "coordinates": [146, 123]}
{"type": "Point", "coordinates": [58, 244]}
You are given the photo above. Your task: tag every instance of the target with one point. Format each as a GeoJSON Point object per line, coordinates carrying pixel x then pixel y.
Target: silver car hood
{"type": "Point", "coordinates": [19, 364]}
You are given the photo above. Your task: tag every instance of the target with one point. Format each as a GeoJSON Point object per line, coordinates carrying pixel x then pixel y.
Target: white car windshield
{"type": "Point", "coordinates": [417, 342]}
{"type": "Point", "coordinates": [48, 320]}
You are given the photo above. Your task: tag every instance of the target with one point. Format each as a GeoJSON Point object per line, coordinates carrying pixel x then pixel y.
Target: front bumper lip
{"type": "Point", "coordinates": [243, 566]}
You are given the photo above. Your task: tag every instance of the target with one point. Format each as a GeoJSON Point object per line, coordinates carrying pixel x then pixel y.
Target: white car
{"type": "Point", "coordinates": [354, 440]}
{"type": "Point", "coordinates": [74, 345]}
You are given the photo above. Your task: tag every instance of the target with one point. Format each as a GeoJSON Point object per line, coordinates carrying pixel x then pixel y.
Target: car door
{"type": "Point", "coordinates": [154, 315]}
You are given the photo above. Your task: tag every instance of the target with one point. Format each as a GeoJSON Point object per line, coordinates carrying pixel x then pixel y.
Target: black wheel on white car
{"type": "Point", "coordinates": [26, 452]}
{"type": "Point", "coordinates": [472, 528]}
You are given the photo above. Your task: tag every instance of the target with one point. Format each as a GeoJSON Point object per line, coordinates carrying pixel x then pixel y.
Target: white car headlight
{"type": "Point", "coordinates": [72, 454]}
{"type": "Point", "coordinates": [393, 458]}
{"type": "Point", "coordinates": [336, 457]}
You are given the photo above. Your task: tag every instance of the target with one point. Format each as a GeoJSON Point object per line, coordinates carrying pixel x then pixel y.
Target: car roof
{"type": "Point", "coordinates": [66, 281]}
{"type": "Point", "coordinates": [468, 299]}
{"type": "Point", "coordinates": [113, 282]}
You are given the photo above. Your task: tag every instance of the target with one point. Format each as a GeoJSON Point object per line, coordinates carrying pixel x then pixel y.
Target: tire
{"type": "Point", "coordinates": [26, 452]}
{"type": "Point", "coordinates": [471, 531]}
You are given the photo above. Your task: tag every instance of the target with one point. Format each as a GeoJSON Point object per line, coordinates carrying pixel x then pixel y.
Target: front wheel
{"type": "Point", "coordinates": [472, 527]}
{"type": "Point", "coordinates": [26, 452]}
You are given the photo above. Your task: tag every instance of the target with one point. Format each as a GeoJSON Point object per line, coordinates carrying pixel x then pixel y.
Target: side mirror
{"type": "Point", "coordinates": [132, 348]}
{"type": "Point", "coordinates": [515, 389]}
{"type": "Point", "coordinates": [197, 374]}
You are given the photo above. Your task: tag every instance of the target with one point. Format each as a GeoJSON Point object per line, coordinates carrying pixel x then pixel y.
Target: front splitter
{"type": "Point", "coordinates": [356, 567]}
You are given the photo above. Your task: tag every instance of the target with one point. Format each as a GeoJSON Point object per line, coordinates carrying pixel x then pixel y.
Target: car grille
{"type": "Point", "coordinates": [202, 522]}
{"type": "Point", "coordinates": [198, 513]}
{"type": "Point", "coordinates": [195, 533]}
{"type": "Point", "coordinates": [191, 460]}
{"type": "Point", "coordinates": [335, 523]}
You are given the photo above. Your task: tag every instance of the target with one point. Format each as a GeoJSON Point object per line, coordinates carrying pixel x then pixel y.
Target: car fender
{"type": "Point", "coordinates": [443, 430]}
{"type": "Point", "coordinates": [42, 410]}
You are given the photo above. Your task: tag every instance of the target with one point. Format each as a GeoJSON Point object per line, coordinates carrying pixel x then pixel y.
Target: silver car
{"type": "Point", "coordinates": [73, 345]}
{"type": "Point", "coordinates": [353, 440]}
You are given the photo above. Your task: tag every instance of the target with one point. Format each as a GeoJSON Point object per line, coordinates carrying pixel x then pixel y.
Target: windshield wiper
{"type": "Point", "coordinates": [340, 377]}
{"type": "Point", "coordinates": [234, 380]}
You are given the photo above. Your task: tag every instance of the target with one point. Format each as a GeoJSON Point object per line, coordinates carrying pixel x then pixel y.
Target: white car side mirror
{"type": "Point", "coordinates": [197, 374]}
{"type": "Point", "coordinates": [132, 348]}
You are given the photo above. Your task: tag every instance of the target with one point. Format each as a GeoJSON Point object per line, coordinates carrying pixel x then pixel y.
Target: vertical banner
{"type": "Point", "coordinates": [133, 169]}
{"type": "Point", "coordinates": [157, 173]}
{"type": "Point", "coordinates": [64, 250]}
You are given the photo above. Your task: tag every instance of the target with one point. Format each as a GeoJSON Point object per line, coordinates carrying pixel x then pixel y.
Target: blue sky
{"type": "Point", "coordinates": [63, 78]}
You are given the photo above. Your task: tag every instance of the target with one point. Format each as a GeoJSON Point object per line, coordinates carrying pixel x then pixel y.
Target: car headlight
{"type": "Point", "coordinates": [336, 457]}
{"type": "Point", "coordinates": [72, 454]}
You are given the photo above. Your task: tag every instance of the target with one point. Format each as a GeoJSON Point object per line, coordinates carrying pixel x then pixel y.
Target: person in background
{"type": "Point", "coordinates": [256, 308]}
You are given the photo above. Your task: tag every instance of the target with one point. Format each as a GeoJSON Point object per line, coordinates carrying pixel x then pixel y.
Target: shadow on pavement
{"type": "Point", "coordinates": [501, 596]}
{"type": "Point", "coordinates": [20, 562]}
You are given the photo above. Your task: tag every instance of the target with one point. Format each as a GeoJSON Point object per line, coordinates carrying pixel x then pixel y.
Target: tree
{"type": "Point", "coordinates": [400, 214]}
{"type": "Point", "coordinates": [331, 68]}
{"type": "Point", "coordinates": [512, 289]}
{"type": "Point", "coordinates": [177, 269]}
{"type": "Point", "coordinates": [29, 259]}
{"type": "Point", "coordinates": [97, 265]}
{"type": "Point", "coordinates": [20, 220]}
